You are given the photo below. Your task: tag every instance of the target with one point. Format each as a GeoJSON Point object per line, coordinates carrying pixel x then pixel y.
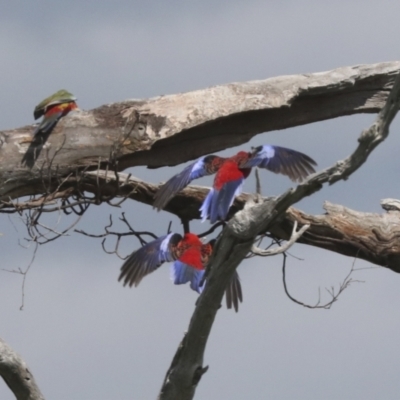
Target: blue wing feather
{"type": "Point", "coordinates": [206, 206]}
{"type": "Point", "coordinates": [182, 273]}
{"type": "Point", "coordinates": [178, 182]}
{"type": "Point", "coordinates": [217, 203]}
{"type": "Point", "coordinates": [148, 258]}
{"type": "Point", "coordinates": [227, 195]}
{"type": "Point", "coordinates": [280, 160]}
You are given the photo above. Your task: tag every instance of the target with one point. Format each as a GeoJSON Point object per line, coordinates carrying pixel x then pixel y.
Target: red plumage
{"type": "Point", "coordinates": [227, 173]}
{"type": "Point", "coordinates": [53, 115]}
{"type": "Point", "coordinates": [192, 257]}
{"type": "Point", "coordinates": [230, 174]}
{"type": "Point", "coordinates": [64, 109]}
{"type": "Point", "coordinates": [189, 256]}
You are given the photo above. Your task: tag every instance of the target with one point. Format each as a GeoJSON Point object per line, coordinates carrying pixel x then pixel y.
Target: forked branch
{"type": "Point", "coordinates": [281, 249]}
{"type": "Point", "coordinates": [236, 241]}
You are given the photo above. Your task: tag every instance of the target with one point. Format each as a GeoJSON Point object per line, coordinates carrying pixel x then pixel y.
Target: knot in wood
{"type": "Point", "coordinates": [390, 204]}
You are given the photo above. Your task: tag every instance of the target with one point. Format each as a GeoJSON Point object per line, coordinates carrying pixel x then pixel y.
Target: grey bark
{"type": "Point", "coordinates": [16, 374]}
{"type": "Point", "coordinates": [235, 242]}
{"type": "Point", "coordinates": [156, 132]}
{"type": "Point", "coordinates": [368, 236]}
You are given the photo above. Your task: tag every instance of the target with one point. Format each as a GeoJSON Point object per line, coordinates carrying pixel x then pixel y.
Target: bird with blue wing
{"type": "Point", "coordinates": [206, 165]}
{"type": "Point", "coordinates": [281, 160]}
{"type": "Point", "coordinates": [227, 185]}
{"type": "Point", "coordinates": [189, 256]}
{"type": "Point", "coordinates": [230, 175]}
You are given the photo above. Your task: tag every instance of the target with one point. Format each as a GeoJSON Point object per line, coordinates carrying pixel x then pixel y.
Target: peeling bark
{"type": "Point", "coordinates": [236, 241]}
{"type": "Point", "coordinates": [369, 236]}
{"type": "Point", "coordinates": [169, 130]}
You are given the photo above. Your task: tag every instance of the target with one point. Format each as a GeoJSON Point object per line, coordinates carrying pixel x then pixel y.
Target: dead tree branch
{"type": "Point", "coordinates": [347, 281]}
{"type": "Point", "coordinates": [281, 249]}
{"type": "Point", "coordinates": [368, 236]}
{"type": "Point", "coordinates": [118, 235]}
{"type": "Point", "coordinates": [236, 241]}
{"type": "Point", "coordinates": [155, 132]}
{"type": "Point", "coordinates": [16, 374]}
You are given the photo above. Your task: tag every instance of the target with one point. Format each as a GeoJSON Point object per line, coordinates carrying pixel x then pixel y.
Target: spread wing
{"type": "Point", "coordinates": [148, 258]}
{"type": "Point", "coordinates": [297, 166]}
{"type": "Point", "coordinates": [204, 166]}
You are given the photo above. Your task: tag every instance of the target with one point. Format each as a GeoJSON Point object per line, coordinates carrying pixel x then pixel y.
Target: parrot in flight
{"type": "Point", "coordinates": [189, 255]}
{"type": "Point", "coordinates": [230, 175]}
{"type": "Point", "coordinates": [52, 109]}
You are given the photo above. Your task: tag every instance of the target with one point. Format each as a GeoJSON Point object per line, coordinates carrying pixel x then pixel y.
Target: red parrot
{"type": "Point", "coordinates": [230, 175]}
{"type": "Point", "coordinates": [53, 108]}
{"type": "Point", "coordinates": [227, 185]}
{"type": "Point", "coordinates": [190, 256]}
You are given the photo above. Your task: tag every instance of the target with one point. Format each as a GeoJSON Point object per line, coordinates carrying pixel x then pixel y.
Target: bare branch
{"type": "Point", "coordinates": [155, 132]}
{"type": "Point", "coordinates": [212, 229]}
{"type": "Point", "coordinates": [236, 241]}
{"type": "Point", "coordinates": [333, 230]}
{"type": "Point", "coordinates": [16, 374]}
{"type": "Point", "coordinates": [25, 274]}
{"type": "Point", "coordinates": [118, 235]}
{"type": "Point", "coordinates": [281, 249]}
{"type": "Point", "coordinates": [347, 281]}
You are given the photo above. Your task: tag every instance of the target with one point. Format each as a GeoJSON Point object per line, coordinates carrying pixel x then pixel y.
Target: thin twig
{"type": "Point", "coordinates": [281, 249]}
{"type": "Point", "coordinates": [335, 296]}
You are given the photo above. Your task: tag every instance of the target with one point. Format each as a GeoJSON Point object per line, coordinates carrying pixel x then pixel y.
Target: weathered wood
{"type": "Point", "coordinates": [172, 129]}
{"type": "Point", "coordinates": [169, 130]}
{"type": "Point", "coordinates": [368, 236]}
{"type": "Point", "coordinates": [236, 240]}
{"type": "Point", "coordinates": [16, 374]}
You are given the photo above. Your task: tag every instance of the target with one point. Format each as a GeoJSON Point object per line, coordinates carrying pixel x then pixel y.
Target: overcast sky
{"type": "Point", "coordinates": [86, 337]}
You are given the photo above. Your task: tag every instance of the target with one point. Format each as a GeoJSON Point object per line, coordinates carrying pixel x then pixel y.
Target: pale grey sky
{"type": "Point", "coordinates": [86, 337]}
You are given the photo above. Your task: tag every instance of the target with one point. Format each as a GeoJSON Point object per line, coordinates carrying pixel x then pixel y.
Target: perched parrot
{"type": "Point", "coordinates": [52, 109]}
{"type": "Point", "coordinates": [230, 175]}
{"type": "Point", "coordinates": [190, 256]}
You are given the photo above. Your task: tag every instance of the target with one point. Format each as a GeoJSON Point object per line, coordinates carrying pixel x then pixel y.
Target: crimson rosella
{"type": "Point", "coordinates": [230, 175]}
{"type": "Point", "coordinates": [190, 256]}
{"type": "Point", "coordinates": [52, 109]}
